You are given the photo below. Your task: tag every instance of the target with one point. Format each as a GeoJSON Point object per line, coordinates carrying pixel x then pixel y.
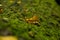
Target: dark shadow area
{"type": "Point", "coordinates": [58, 2]}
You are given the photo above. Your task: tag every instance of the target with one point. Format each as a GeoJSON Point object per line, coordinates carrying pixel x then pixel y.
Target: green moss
{"type": "Point", "coordinates": [47, 10]}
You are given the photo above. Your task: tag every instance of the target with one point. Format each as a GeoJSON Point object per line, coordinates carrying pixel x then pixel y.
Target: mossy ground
{"type": "Point", "coordinates": [47, 10]}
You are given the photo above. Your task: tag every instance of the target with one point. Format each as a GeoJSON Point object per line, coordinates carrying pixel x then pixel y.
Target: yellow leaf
{"type": "Point", "coordinates": [8, 38]}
